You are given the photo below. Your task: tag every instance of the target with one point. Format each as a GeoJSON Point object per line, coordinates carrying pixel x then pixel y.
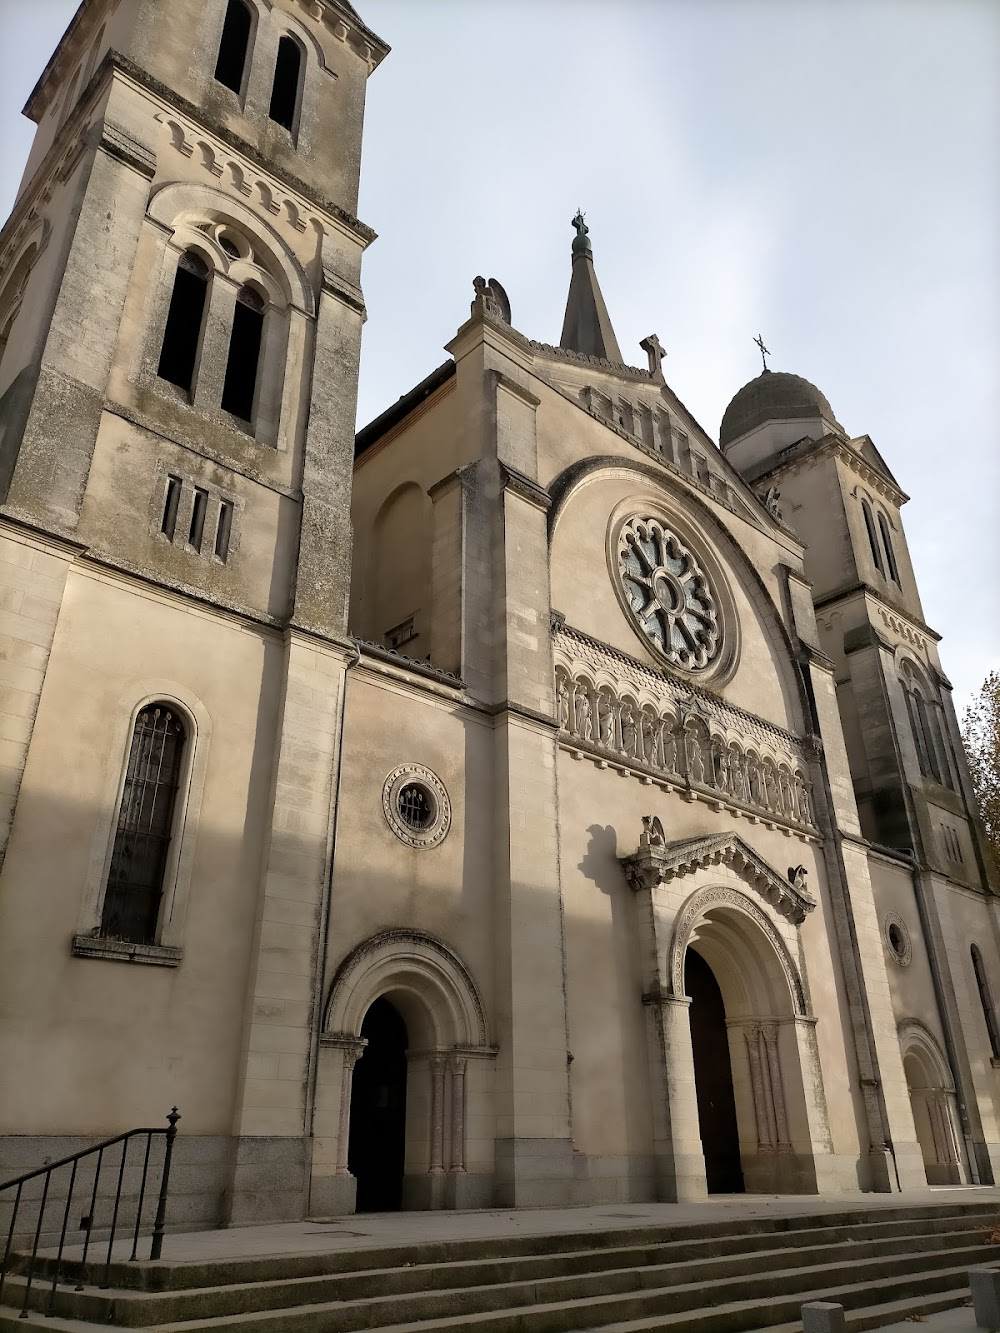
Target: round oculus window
{"type": "Point", "coordinates": [416, 805]}
{"type": "Point", "coordinates": [668, 593]}
{"type": "Point", "coordinates": [898, 939]}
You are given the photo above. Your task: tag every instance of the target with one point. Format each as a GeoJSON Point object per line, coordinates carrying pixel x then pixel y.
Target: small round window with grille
{"type": "Point", "coordinates": [416, 805]}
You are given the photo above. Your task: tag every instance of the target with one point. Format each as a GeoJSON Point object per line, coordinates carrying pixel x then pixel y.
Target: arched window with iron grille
{"type": "Point", "coordinates": [185, 318]}
{"type": "Point", "coordinates": [986, 1000]}
{"type": "Point", "coordinates": [145, 826]}
{"type": "Point", "coordinates": [230, 67]}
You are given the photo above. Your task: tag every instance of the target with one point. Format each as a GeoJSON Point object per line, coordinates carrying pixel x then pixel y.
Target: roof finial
{"type": "Point", "coordinates": [581, 242]}
{"type": "Point", "coordinates": [764, 352]}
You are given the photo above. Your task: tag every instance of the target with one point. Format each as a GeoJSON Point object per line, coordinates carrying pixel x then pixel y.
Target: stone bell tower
{"type": "Point", "coordinates": [180, 325]}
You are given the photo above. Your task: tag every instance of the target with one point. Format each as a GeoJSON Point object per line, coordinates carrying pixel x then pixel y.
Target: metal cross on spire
{"type": "Point", "coordinates": [764, 351]}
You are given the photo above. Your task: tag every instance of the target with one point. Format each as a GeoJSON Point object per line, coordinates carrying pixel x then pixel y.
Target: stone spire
{"type": "Point", "coordinates": [587, 324]}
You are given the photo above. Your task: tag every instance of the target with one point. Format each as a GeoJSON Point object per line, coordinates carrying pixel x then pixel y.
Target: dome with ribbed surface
{"type": "Point", "coordinates": [773, 396]}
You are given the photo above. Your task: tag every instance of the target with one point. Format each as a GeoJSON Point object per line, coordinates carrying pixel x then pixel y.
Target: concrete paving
{"type": "Point", "coordinates": [368, 1230]}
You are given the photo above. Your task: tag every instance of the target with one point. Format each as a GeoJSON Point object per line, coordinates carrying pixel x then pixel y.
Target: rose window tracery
{"type": "Point", "coordinates": [668, 593]}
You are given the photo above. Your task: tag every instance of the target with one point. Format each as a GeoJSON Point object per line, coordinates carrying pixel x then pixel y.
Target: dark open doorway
{"type": "Point", "coordinates": [713, 1075]}
{"type": "Point", "coordinates": [377, 1144]}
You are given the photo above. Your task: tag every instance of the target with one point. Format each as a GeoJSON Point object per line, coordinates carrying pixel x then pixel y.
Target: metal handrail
{"type": "Point", "coordinates": [74, 1160]}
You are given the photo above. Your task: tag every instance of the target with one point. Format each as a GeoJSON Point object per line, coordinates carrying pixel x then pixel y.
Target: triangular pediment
{"type": "Point", "coordinates": [867, 451]}
{"type": "Point", "coordinates": [659, 862]}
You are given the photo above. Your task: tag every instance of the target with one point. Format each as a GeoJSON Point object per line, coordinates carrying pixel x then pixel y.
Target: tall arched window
{"type": "Point", "coordinates": [184, 321]}
{"type": "Point", "coordinates": [234, 46]}
{"type": "Point", "coordinates": [244, 354]}
{"type": "Point", "coordinates": [986, 1000]}
{"type": "Point", "coordinates": [926, 735]}
{"type": "Point", "coordinates": [145, 824]}
{"type": "Point", "coordinates": [285, 91]}
{"type": "Point", "coordinates": [12, 294]}
{"type": "Point", "coordinates": [890, 556]}
{"type": "Point", "coordinates": [866, 509]}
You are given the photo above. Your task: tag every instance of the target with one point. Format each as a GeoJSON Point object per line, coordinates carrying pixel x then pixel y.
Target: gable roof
{"type": "Point", "coordinates": [655, 863]}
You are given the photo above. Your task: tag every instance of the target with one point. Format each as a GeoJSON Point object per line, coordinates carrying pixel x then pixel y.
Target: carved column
{"type": "Point", "coordinates": [458, 1063]}
{"type": "Point", "coordinates": [352, 1054]}
{"type": "Point", "coordinates": [757, 1084]}
{"type": "Point", "coordinates": [777, 1089]}
{"type": "Point", "coordinates": [437, 1065]}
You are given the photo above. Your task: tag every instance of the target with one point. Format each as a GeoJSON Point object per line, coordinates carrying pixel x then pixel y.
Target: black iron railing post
{"type": "Point", "coordinates": [88, 1224]}
{"type": "Point", "coordinates": [10, 1238]}
{"type": "Point", "coordinates": [156, 1246]}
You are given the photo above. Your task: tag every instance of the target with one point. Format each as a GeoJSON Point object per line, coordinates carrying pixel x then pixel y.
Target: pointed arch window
{"type": "Point", "coordinates": [287, 77]}
{"type": "Point", "coordinates": [244, 354]}
{"type": "Point", "coordinates": [986, 1000]}
{"type": "Point", "coordinates": [234, 47]}
{"type": "Point", "coordinates": [866, 509]}
{"type": "Point", "coordinates": [184, 321]}
{"type": "Point", "coordinates": [145, 825]}
{"type": "Point", "coordinates": [890, 555]}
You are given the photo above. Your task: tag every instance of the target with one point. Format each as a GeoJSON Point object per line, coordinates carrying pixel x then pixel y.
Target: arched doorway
{"type": "Point", "coordinates": [377, 1145]}
{"type": "Point", "coordinates": [746, 969]}
{"type": "Point", "coordinates": [713, 1074]}
{"type": "Point", "coordinates": [932, 1100]}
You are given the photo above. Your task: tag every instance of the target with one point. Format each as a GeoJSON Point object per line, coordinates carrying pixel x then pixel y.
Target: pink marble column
{"type": "Point", "coordinates": [757, 1084]}
{"type": "Point", "coordinates": [458, 1064]}
{"type": "Point", "coordinates": [437, 1064]}
{"type": "Point", "coordinates": [777, 1089]}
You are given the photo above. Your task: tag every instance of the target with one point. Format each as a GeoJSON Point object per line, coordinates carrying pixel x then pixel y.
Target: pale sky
{"type": "Point", "coordinates": [826, 172]}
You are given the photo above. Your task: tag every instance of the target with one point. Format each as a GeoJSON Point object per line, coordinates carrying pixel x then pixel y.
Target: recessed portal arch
{"type": "Point", "coordinates": [780, 1115]}
{"type": "Point", "coordinates": [404, 1002]}
{"type": "Point", "coordinates": [932, 1099]}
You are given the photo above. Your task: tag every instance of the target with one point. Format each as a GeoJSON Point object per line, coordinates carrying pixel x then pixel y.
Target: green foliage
{"type": "Point", "coordinates": [981, 734]}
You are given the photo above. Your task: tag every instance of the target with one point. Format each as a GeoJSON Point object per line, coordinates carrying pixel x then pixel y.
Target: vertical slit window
{"type": "Point", "coordinates": [872, 538]}
{"type": "Point", "coordinates": [224, 530]}
{"type": "Point", "coordinates": [168, 523]}
{"type": "Point", "coordinates": [986, 1000]}
{"type": "Point", "coordinates": [145, 823]}
{"type": "Point", "coordinates": [234, 46]}
{"type": "Point", "coordinates": [184, 320]}
{"type": "Point", "coordinates": [285, 91]}
{"type": "Point", "coordinates": [244, 355]}
{"type": "Point", "coordinates": [890, 555]}
{"type": "Point", "coordinates": [197, 530]}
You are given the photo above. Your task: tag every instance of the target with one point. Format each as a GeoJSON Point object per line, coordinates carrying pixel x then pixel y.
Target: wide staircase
{"type": "Point", "coordinates": [882, 1265]}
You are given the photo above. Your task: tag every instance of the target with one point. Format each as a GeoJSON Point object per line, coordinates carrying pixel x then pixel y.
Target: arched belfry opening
{"type": "Point", "coordinates": [750, 1039]}
{"type": "Point", "coordinates": [377, 1137]}
{"type": "Point", "coordinates": [713, 1075]}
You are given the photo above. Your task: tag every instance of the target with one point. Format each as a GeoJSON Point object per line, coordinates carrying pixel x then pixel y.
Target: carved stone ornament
{"type": "Point", "coordinates": [416, 806]}
{"type": "Point", "coordinates": [655, 863]}
{"type": "Point", "coordinates": [668, 593]}
{"type": "Point", "coordinates": [708, 899]}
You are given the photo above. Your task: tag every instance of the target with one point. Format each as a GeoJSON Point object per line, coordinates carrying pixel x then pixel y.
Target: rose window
{"type": "Point", "coordinates": [668, 593]}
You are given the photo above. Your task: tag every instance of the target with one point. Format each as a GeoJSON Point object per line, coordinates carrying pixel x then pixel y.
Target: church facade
{"type": "Point", "coordinates": [525, 801]}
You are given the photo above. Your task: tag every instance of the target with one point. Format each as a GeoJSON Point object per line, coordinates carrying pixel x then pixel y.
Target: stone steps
{"type": "Point", "coordinates": [720, 1276]}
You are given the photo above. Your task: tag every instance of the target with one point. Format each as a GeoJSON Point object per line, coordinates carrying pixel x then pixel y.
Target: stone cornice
{"type": "Point", "coordinates": [869, 590]}
{"type": "Point", "coordinates": [802, 452]}
{"type": "Point", "coordinates": [526, 487]}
